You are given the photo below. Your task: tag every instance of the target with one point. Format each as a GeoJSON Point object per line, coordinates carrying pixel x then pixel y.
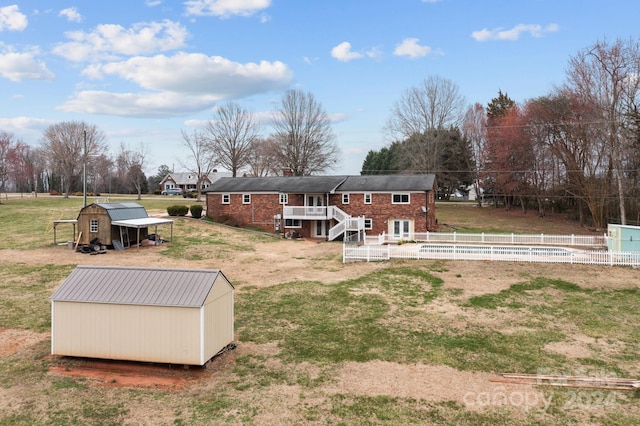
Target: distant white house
{"type": "Point", "coordinates": [188, 181]}
{"type": "Point", "coordinates": [472, 192]}
{"type": "Point", "coordinates": [469, 193]}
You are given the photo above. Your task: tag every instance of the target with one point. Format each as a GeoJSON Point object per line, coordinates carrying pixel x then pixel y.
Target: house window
{"type": "Point", "coordinates": [284, 198]}
{"type": "Point", "coordinates": [93, 225]}
{"type": "Point", "coordinates": [226, 198]}
{"type": "Point", "coordinates": [367, 198]}
{"type": "Point", "coordinates": [246, 198]}
{"type": "Point", "coordinates": [292, 223]}
{"type": "Point", "coordinates": [400, 198]}
{"type": "Point", "coordinates": [345, 198]}
{"type": "Point", "coordinates": [368, 224]}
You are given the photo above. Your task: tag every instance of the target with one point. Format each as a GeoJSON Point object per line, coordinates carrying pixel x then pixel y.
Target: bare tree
{"type": "Point", "coordinates": [6, 146]}
{"type": "Point", "coordinates": [263, 158]}
{"type": "Point", "coordinates": [67, 146]}
{"type": "Point", "coordinates": [302, 132]}
{"type": "Point", "coordinates": [474, 129]}
{"type": "Point", "coordinates": [134, 160]}
{"type": "Point", "coordinates": [435, 105]}
{"type": "Point", "coordinates": [568, 126]}
{"type": "Point", "coordinates": [203, 157]}
{"type": "Point", "coordinates": [230, 134]}
{"type": "Point", "coordinates": [607, 75]}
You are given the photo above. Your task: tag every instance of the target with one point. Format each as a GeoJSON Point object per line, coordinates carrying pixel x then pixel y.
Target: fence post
{"type": "Point", "coordinates": [541, 238]}
{"type": "Point", "coordinates": [483, 237]}
{"type": "Point", "coordinates": [512, 238]}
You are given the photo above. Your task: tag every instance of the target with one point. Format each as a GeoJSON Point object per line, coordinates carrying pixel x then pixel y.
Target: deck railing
{"type": "Point", "coordinates": [305, 212]}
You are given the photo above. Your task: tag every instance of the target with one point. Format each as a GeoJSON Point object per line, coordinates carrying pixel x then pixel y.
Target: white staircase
{"type": "Point", "coordinates": [344, 223]}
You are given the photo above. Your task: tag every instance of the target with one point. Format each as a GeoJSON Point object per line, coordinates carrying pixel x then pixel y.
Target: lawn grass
{"type": "Point", "coordinates": [468, 218]}
{"type": "Point", "coordinates": [317, 327]}
{"type": "Point", "coordinates": [28, 222]}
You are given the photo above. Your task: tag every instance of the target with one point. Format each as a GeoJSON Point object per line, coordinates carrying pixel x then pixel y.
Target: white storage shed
{"type": "Point", "coordinates": [175, 316]}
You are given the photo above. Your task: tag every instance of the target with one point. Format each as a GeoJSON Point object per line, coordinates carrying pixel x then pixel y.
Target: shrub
{"type": "Point", "coordinates": [178, 210]}
{"type": "Point", "coordinates": [196, 211]}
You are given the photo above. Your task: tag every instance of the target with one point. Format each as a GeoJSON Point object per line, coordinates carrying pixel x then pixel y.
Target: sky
{"type": "Point", "coordinates": [142, 71]}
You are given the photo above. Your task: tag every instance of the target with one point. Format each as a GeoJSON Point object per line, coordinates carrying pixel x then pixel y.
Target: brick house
{"type": "Point", "coordinates": [326, 207]}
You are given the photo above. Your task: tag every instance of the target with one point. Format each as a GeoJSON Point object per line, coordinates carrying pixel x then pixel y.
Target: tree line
{"type": "Point", "coordinates": [301, 143]}
{"type": "Point", "coordinates": [574, 149]}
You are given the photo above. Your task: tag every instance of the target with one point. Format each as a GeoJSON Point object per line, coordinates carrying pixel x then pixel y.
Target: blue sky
{"type": "Point", "coordinates": [143, 70]}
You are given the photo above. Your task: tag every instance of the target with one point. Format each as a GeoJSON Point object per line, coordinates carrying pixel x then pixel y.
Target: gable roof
{"type": "Point", "coordinates": [137, 286]}
{"type": "Point", "coordinates": [284, 184]}
{"type": "Point", "coordinates": [191, 178]}
{"type": "Point", "coordinates": [122, 211]}
{"type": "Point", "coordinates": [388, 183]}
{"type": "Point", "coordinates": [324, 184]}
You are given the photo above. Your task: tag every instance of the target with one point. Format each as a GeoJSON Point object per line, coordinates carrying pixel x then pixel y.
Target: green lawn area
{"type": "Point", "coordinates": [298, 337]}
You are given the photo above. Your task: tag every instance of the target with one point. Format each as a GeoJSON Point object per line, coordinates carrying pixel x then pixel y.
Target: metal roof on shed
{"type": "Point", "coordinates": [124, 211]}
{"type": "Point", "coordinates": [137, 286]}
{"type": "Point", "coordinates": [284, 184]}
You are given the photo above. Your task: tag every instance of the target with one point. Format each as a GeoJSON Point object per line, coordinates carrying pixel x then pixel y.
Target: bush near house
{"type": "Point", "coordinates": [196, 211]}
{"type": "Point", "coordinates": [178, 210]}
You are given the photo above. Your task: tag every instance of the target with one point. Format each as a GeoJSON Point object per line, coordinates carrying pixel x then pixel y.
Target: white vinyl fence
{"type": "Point", "coordinates": [482, 238]}
{"type": "Point", "coordinates": [369, 252]}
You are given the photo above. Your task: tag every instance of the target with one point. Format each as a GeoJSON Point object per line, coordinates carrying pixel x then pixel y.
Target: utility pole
{"type": "Point", "coordinates": [84, 170]}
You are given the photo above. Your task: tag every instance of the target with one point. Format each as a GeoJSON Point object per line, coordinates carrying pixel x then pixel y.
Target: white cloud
{"type": "Point", "coordinates": [343, 52]}
{"type": "Point", "coordinates": [225, 8]}
{"type": "Point", "coordinates": [410, 47]}
{"type": "Point", "coordinates": [161, 104]}
{"type": "Point", "coordinates": [11, 19]}
{"type": "Point", "coordinates": [338, 117]}
{"type": "Point", "coordinates": [109, 41]}
{"type": "Point", "coordinates": [178, 85]}
{"type": "Point", "coordinates": [514, 33]}
{"type": "Point", "coordinates": [71, 13]}
{"type": "Point", "coordinates": [29, 128]}
{"type": "Point", "coordinates": [153, 3]}
{"type": "Point", "coordinates": [19, 66]}
{"type": "Point", "coordinates": [198, 73]}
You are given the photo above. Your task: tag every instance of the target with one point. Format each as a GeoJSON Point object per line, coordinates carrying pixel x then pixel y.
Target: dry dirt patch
{"type": "Point", "coordinates": [13, 340]}
{"type": "Point", "coordinates": [107, 373]}
{"type": "Point", "coordinates": [434, 383]}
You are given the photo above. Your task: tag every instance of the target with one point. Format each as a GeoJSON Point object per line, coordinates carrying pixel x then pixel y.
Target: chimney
{"type": "Point", "coordinates": [287, 172]}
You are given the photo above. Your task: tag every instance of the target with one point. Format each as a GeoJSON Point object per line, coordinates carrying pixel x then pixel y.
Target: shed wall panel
{"type": "Point", "coordinates": [218, 318]}
{"type": "Point", "coordinates": [127, 332]}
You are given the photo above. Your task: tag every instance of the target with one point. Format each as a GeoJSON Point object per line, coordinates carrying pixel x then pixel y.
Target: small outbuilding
{"type": "Point", "coordinates": [171, 316]}
{"type": "Point", "coordinates": [116, 224]}
{"type": "Point", "coordinates": [623, 238]}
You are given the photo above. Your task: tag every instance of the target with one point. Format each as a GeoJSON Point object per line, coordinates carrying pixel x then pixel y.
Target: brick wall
{"type": "Point", "coordinates": [382, 210]}
{"type": "Point", "coordinates": [263, 207]}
